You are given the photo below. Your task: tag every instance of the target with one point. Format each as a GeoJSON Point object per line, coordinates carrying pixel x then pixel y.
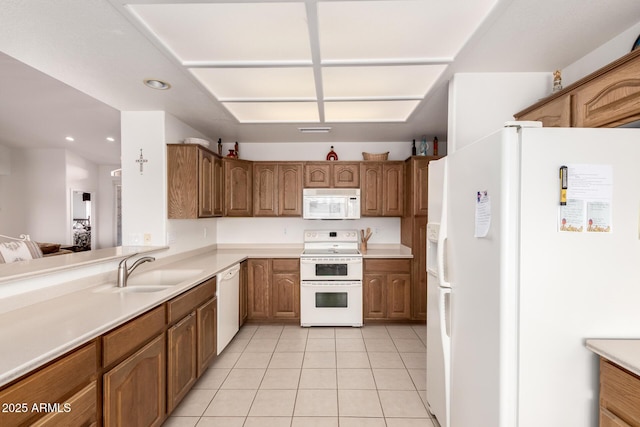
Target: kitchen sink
{"type": "Point", "coordinates": [162, 277]}
{"type": "Point", "coordinates": [132, 289]}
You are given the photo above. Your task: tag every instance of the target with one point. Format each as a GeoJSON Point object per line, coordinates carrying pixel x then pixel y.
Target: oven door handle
{"type": "Point", "coordinates": [329, 285]}
{"type": "Point", "coordinates": [329, 261]}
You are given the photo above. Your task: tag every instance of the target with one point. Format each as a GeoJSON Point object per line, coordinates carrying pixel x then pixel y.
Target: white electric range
{"type": "Point", "coordinates": [331, 279]}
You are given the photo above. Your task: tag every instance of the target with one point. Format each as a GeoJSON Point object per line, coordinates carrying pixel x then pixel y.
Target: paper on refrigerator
{"type": "Point", "coordinates": [589, 195]}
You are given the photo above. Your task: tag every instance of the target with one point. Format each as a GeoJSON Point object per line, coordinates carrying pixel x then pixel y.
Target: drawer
{"type": "Point", "coordinates": [286, 265]}
{"type": "Point", "coordinates": [388, 265]}
{"type": "Point", "coordinates": [607, 419]}
{"type": "Point", "coordinates": [620, 393]}
{"type": "Point", "coordinates": [132, 335]}
{"type": "Point", "coordinates": [184, 304]}
{"type": "Point", "coordinates": [82, 410]}
{"type": "Point", "coordinates": [52, 384]}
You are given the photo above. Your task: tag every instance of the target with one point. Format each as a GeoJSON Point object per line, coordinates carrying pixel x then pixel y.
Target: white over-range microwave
{"type": "Point", "coordinates": [331, 203]}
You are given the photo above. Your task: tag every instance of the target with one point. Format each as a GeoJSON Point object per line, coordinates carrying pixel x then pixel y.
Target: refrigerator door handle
{"type": "Point", "coordinates": [445, 317]}
{"type": "Point", "coordinates": [440, 262]}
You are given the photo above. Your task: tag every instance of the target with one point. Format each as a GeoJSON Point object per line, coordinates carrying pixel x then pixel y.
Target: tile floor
{"type": "Point", "coordinates": [277, 375]}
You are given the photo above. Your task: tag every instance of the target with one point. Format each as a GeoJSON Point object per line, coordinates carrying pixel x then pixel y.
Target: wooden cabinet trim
{"type": "Point", "coordinates": [130, 336]}
{"type": "Point", "coordinates": [183, 304]}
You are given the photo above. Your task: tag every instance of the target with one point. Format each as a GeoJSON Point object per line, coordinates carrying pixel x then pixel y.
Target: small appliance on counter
{"type": "Point", "coordinates": [331, 279]}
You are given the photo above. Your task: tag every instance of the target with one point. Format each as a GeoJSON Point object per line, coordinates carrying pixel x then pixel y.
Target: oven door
{"type": "Point", "coordinates": [331, 268]}
{"type": "Point", "coordinates": [331, 303]}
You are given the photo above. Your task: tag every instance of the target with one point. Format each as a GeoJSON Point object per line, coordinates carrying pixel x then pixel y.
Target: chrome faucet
{"type": "Point", "coordinates": [124, 272]}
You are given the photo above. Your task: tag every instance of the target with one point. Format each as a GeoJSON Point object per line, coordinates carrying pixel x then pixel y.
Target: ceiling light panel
{"type": "Point", "coordinates": [274, 112]}
{"type": "Point", "coordinates": [385, 81]}
{"type": "Point", "coordinates": [397, 29]}
{"type": "Point", "coordinates": [229, 32]}
{"type": "Point", "coordinates": [368, 111]}
{"type": "Point", "coordinates": [258, 83]}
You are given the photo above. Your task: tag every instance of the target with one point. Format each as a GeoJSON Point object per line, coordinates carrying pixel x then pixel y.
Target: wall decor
{"type": "Point", "coordinates": [332, 155]}
{"type": "Point", "coordinates": [141, 161]}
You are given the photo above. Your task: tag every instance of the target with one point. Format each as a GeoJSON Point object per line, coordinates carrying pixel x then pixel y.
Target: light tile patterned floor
{"type": "Point", "coordinates": [288, 376]}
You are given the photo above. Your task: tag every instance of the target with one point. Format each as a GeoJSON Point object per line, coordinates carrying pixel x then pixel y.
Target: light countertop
{"type": "Point", "coordinates": [623, 352]}
{"type": "Point", "coordinates": [37, 333]}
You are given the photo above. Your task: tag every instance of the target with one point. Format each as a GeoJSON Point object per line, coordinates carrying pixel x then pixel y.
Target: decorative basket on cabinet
{"type": "Point", "coordinates": [370, 156]}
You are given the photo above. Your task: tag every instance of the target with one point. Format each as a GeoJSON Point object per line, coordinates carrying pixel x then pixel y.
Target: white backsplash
{"type": "Point", "coordinates": [290, 230]}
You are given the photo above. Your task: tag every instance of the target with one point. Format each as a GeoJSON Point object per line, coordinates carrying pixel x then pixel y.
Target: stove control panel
{"type": "Point", "coordinates": [331, 236]}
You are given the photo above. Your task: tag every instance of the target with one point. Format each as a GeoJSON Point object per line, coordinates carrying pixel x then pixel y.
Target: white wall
{"type": "Point", "coordinates": [105, 201]}
{"type": "Point", "coordinates": [13, 204]}
{"type": "Point", "coordinates": [598, 58]}
{"type": "Point", "coordinates": [480, 103]}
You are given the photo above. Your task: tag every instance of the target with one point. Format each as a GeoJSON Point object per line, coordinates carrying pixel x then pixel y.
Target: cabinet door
{"type": "Point", "coordinates": [134, 390]}
{"type": "Point", "coordinates": [399, 296]}
{"type": "Point", "coordinates": [285, 292]}
{"type": "Point", "coordinates": [420, 187]}
{"type": "Point", "coordinates": [375, 296]}
{"type": "Point", "coordinates": [609, 100]}
{"type": "Point", "coordinates": [207, 318]}
{"type": "Point", "coordinates": [317, 175]}
{"type": "Point", "coordinates": [419, 286]}
{"type": "Point", "coordinates": [290, 189]}
{"type": "Point", "coordinates": [182, 369]}
{"type": "Point", "coordinates": [83, 407]}
{"type": "Point", "coordinates": [346, 175]}
{"type": "Point", "coordinates": [392, 189]}
{"type": "Point", "coordinates": [265, 189]}
{"type": "Point", "coordinates": [258, 289]}
{"type": "Point", "coordinates": [218, 187]}
{"type": "Point", "coordinates": [182, 181]}
{"type": "Point", "coordinates": [607, 419]}
{"type": "Point", "coordinates": [205, 184]}
{"type": "Point", "coordinates": [238, 188]}
{"type": "Point", "coordinates": [371, 190]}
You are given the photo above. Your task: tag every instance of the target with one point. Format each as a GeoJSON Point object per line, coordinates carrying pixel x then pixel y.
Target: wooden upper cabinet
{"type": "Point", "coordinates": [290, 189]}
{"type": "Point", "coordinates": [277, 189]}
{"type": "Point", "coordinates": [193, 182]}
{"type": "Point", "coordinates": [556, 113]}
{"type": "Point", "coordinates": [417, 178]}
{"type": "Point", "coordinates": [330, 174]}
{"type": "Point", "coordinates": [607, 97]}
{"type": "Point", "coordinates": [392, 189]}
{"type": "Point", "coordinates": [265, 189]}
{"type": "Point", "coordinates": [346, 175]}
{"type": "Point", "coordinates": [218, 185]}
{"type": "Point", "coordinates": [371, 189]}
{"type": "Point", "coordinates": [610, 100]}
{"type": "Point", "coordinates": [206, 185]}
{"type": "Point", "coordinates": [317, 175]}
{"type": "Point", "coordinates": [238, 187]}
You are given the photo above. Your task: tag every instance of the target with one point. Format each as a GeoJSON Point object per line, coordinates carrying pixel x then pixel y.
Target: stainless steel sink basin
{"type": "Point", "coordinates": [162, 277]}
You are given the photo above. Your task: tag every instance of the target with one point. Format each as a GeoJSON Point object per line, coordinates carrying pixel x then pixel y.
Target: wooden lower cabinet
{"type": "Point", "coordinates": [135, 389]}
{"type": "Point", "coordinates": [244, 280]}
{"type": "Point", "coordinates": [619, 396]}
{"type": "Point", "coordinates": [207, 325]}
{"type": "Point", "coordinates": [273, 289]}
{"type": "Point", "coordinates": [387, 289]}
{"type": "Point", "coordinates": [182, 367]}
{"type": "Point", "coordinates": [71, 378]}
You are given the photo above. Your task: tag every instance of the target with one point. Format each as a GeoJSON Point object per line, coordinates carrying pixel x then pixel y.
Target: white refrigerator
{"type": "Point", "coordinates": [531, 279]}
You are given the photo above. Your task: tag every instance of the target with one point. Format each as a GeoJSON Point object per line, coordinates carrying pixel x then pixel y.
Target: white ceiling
{"type": "Point", "coordinates": [222, 69]}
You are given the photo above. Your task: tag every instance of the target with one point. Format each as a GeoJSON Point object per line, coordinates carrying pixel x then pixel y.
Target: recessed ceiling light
{"type": "Point", "coordinates": [315, 130]}
{"type": "Point", "coordinates": [157, 84]}
{"type": "Point", "coordinates": [70, 138]}
{"type": "Point", "coordinates": [110, 139]}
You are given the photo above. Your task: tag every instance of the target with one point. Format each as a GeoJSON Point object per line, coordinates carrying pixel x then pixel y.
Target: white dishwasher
{"type": "Point", "coordinates": [228, 293]}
